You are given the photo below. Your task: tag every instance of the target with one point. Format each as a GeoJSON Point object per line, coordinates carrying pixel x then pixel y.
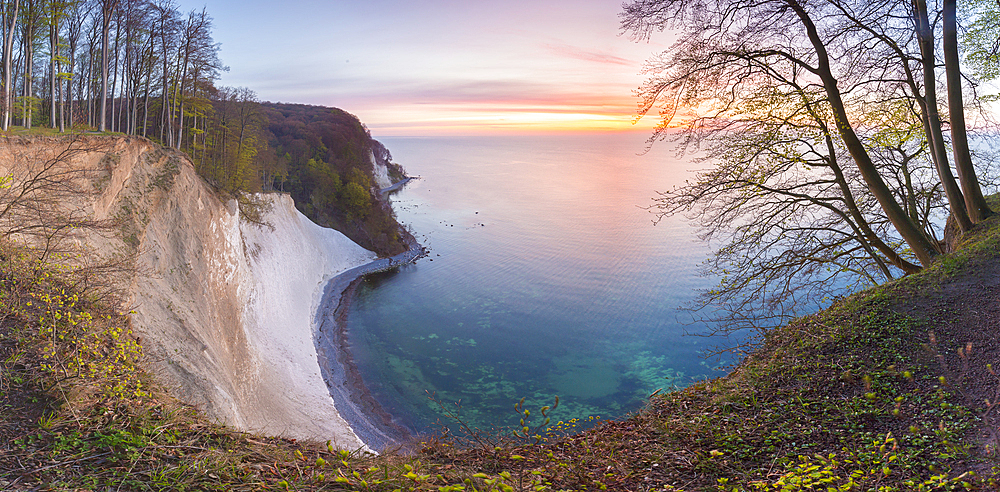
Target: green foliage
{"type": "Point", "coordinates": [872, 467]}
{"type": "Point", "coordinates": [534, 433]}
{"type": "Point", "coordinates": [253, 208]}
{"type": "Point", "coordinates": [981, 22]}
{"type": "Point", "coordinates": [328, 171]}
{"type": "Point", "coordinates": [325, 163]}
{"type": "Point", "coordinates": [74, 337]}
{"type": "Point", "coordinates": [356, 200]}
{"type": "Point", "coordinates": [231, 142]}
{"type": "Point", "coordinates": [836, 401]}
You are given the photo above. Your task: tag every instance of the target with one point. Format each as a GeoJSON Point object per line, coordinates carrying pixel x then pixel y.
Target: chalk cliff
{"type": "Point", "coordinates": [381, 172]}
{"type": "Point", "coordinates": [224, 308]}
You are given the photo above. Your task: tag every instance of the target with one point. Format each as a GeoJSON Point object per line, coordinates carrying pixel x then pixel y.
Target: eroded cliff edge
{"type": "Point", "coordinates": [224, 308]}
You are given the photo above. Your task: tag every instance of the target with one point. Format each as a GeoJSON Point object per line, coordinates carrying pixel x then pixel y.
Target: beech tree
{"type": "Point", "coordinates": [55, 14]}
{"type": "Point", "coordinates": [975, 202]}
{"type": "Point", "coordinates": [10, 11]}
{"type": "Point", "coordinates": [74, 29]}
{"type": "Point", "coordinates": [925, 36]}
{"type": "Point", "coordinates": [129, 65]}
{"type": "Point", "coordinates": [107, 11]}
{"type": "Point", "coordinates": [821, 121]}
{"type": "Point", "coordinates": [889, 27]}
{"type": "Point", "coordinates": [197, 56]}
{"type": "Point", "coordinates": [29, 35]}
{"type": "Point", "coordinates": [167, 25]}
{"type": "Point", "coordinates": [138, 67]}
{"type": "Point", "coordinates": [234, 141]}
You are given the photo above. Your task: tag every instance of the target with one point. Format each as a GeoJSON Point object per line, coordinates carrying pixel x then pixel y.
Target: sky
{"type": "Point", "coordinates": [439, 67]}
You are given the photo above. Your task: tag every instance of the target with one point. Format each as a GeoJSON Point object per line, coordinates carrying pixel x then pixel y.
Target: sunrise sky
{"type": "Point", "coordinates": [431, 67]}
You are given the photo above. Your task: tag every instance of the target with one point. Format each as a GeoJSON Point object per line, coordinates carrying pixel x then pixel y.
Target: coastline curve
{"type": "Point", "coordinates": [372, 424]}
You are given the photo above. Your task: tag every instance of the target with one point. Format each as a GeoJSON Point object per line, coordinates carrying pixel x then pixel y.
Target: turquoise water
{"type": "Point", "coordinates": [546, 277]}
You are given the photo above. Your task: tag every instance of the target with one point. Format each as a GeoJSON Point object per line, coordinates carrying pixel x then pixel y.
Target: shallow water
{"type": "Point", "coordinates": [546, 276]}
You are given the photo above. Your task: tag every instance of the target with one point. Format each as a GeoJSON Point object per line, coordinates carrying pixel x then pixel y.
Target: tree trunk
{"type": "Point", "coordinates": [113, 95]}
{"type": "Point", "coordinates": [913, 236]}
{"type": "Point", "coordinates": [106, 9]}
{"type": "Point", "coordinates": [865, 233]}
{"type": "Point", "coordinates": [975, 203]}
{"type": "Point", "coordinates": [53, 52]}
{"type": "Point", "coordinates": [89, 85]}
{"type": "Point", "coordinates": [28, 89]}
{"type": "Point", "coordinates": [165, 99]}
{"type": "Point", "coordinates": [62, 104]}
{"type": "Point", "coordinates": [29, 62]}
{"type": "Point", "coordinates": [180, 114]}
{"type": "Point", "coordinates": [925, 38]}
{"type": "Point", "coordinates": [149, 75]}
{"type": "Point", "coordinates": [104, 72]}
{"type": "Point", "coordinates": [145, 96]}
{"type": "Point", "coordinates": [179, 96]}
{"type": "Point", "coordinates": [8, 49]}
{"type": "Point", "coordinates": [72, 38]}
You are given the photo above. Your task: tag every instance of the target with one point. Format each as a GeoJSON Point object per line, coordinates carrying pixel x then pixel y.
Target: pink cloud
{"type": "Point", "coordinates": [587, 55]}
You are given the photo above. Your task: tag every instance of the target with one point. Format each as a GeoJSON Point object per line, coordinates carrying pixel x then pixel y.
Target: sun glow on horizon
{"type": "Point", "coordinates": [442, 68]}
{"type": "Point", "coordinates": [432, 120]}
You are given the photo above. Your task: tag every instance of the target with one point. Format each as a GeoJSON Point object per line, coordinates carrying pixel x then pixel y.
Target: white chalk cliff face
{"type": "Point", "coordinates": [382, 179]}
{"type": "Point", "coordinates": [224, 308]}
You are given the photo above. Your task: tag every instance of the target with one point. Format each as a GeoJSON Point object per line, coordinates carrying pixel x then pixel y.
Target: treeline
{"type": "Point", "coordinates": [139, 67]}
{"type": "Point", "coordinates": [133, 66]}
{"type": "Point", "coordinates": [143, 67]}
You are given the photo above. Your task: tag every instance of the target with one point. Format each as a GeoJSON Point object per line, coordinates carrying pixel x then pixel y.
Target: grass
{"type": "Point", "coordinates": [852, 398]}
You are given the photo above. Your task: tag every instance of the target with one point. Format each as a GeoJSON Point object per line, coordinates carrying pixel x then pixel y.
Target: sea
{"type": "Point", "coordinates": [548, 275]}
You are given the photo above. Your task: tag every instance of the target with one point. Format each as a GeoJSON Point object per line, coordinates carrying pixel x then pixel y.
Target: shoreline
{"type": "Point", "coordinates": [398, 185]}
{"type": "Point", "coordinates": [366, 417]}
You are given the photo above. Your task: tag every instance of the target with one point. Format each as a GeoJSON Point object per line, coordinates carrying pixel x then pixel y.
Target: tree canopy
{"type": "Point", "coordinates": [826, 138]}
{"type": "Point", "coordinates": [324, 158]}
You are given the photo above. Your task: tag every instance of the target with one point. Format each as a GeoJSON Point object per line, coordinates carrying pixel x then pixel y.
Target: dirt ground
{"type": "Point", "coordinates": [963, 316]}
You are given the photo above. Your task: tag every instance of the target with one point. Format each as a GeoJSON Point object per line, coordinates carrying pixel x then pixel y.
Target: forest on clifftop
{"type": "Point", "coordinates": [147, 68]}
{"type": "Point", "coordinates": [324, 157]}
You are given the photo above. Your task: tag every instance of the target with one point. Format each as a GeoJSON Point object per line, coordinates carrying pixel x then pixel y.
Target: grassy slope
{"type": "Point", "coordinates": [859, 396]}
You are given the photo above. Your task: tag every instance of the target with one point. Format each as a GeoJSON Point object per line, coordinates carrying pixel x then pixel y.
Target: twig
{"type": "Point", "coordinates": [251, 441]}
{"type": "Point", "coordinates": [186, 447]}
{"type": "Point", "coordinates": [85, 458]}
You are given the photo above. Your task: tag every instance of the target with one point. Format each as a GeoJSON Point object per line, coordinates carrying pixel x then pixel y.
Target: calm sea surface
{"type": "Point", "coordinates": [546, 277]}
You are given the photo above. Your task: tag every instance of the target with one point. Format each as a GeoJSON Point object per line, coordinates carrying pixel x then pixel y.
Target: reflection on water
{"type": "Point", "coordinates": [546, 277]}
